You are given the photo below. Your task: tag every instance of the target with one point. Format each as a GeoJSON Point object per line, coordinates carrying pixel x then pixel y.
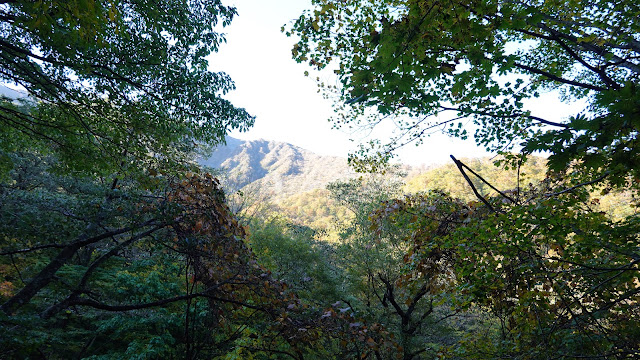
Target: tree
{"type": "Point", "coordinates": [556, 272]}
{"type": "Point", "coordinates": [294, 254]}
{"type": "Point", "coordinates": [382, 279]}
{"type": "Point", "coordinates": [559, 276]}
{"type": "Point", "coordinates": [111, 83]}
{"type": "Point", "coordinates": [107, 247]}
{"type": "Point", "coordinates": [415, 61]}
{"type": "Point", "coordinates": [555, 276]}
{"type": "Point", "coordinates": [134, 273]}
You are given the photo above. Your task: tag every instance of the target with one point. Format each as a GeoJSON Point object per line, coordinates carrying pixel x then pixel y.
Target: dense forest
{"type": "Point", "coordinates": [118, 242]}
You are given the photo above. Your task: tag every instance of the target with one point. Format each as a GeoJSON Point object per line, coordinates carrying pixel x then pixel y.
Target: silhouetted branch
{"type": "Point", "coordinates": [473, 187]}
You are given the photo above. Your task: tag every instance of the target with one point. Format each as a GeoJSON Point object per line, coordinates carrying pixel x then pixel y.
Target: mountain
{"type": "Point", "coordinates": [10, 93]}
{"type": "Point", "coordinates": [294, 180]}
{"type": "Point", "coordinates": [274, 168]}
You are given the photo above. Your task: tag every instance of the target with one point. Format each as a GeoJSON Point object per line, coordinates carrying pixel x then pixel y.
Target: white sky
{"type": "Point", "coordinates": [287, 106]}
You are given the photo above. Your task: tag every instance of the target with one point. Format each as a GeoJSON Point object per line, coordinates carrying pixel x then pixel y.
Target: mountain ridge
{"type": "Point", "coordinates": [276, 168]}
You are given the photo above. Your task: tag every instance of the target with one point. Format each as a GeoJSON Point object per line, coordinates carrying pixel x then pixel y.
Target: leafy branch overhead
{"type": "Point", "coordinates": [416, 61]}
{"type": "Point", "coordinates": [115, 78]}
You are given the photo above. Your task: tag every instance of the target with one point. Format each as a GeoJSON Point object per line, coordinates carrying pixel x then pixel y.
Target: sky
{"type": "Point", "coordinates": [287, 105]}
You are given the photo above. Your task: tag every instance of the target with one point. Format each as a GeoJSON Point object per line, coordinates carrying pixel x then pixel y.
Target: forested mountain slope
{"type": "Point", "coordinates": [273, 168]}
{"type": "Point", "coordinates": [293, 180]}
{"type": "Point", "coordinates": [279, 171]}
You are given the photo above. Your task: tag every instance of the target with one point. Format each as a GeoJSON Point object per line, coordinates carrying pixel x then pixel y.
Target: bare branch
{"type": "Point", "coordinates": [473, 187]}
{"type": "Point", "coordinates": [488, 183]}
{"type": "Point", "coordinates": [598, 179]}
{"type": "Point", "coordinates": [558, 78]}
{"type": "Point", "coordinates": [35, 248]}
{"type": "Point", "coordinates": [46, 275]}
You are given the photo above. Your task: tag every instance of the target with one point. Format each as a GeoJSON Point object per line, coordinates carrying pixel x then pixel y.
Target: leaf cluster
{"type": "Point", "coordinates": [107, 79]}
{"type": "Point", "coordinates": [427, 66]}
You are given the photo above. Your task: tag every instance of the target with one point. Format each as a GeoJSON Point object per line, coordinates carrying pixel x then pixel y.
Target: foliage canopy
{"type": "Point", "coordinates": [559, 276]}
{"type": "Point", "coordinates": [107, 80]}
{"type": "Point", "coordinates": [417, 60]}
{"type": "Point", "coordinates": [109, 248]}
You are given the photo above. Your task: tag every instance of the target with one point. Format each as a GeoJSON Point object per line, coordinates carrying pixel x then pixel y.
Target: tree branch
{"type": "Point", "coordinates": [128, 307]}
{"type": "Point", "coordinates": [46, 275]}
{"type": "Point", "coordinates": [35, 248]}
{"type": "Point", "coordinates": [392, 299]}
{"type": "Point", "coordinates": [600, 51]}
{"type": "Point", "coordinates": [554, 37]}
{"type": "Point", "coordinates": [488, 183]}
{"type": "Point", "coordinates": [558, 78]}
{"type": "Point", "coordinates": [473, 187]}
{"type": "Point", "coordinates": [416, 298]}
{"type": "Point", "coordinates": [599, 178]}
{"type": "Point", "coordinates": [81, 288]}
{"type": "Point", "coordinates": [485, 113]}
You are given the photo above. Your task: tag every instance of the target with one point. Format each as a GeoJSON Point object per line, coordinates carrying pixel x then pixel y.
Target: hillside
{"type": "Point", "coordinates": [292, 180]}
{"type": "Point", "coordinates": [274, 169]}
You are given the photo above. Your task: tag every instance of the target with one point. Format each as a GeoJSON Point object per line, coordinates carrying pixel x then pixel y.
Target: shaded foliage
{"type": "Point", "coordinates": [427, 65]}
{"type": "Point", "coordinates": [111, 79]}
{"type": "Point", "coordinates": [559, 277]}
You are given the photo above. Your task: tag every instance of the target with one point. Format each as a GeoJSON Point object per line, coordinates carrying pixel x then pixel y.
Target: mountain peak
{"type": "Point", "coordinates": [279, 168]}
